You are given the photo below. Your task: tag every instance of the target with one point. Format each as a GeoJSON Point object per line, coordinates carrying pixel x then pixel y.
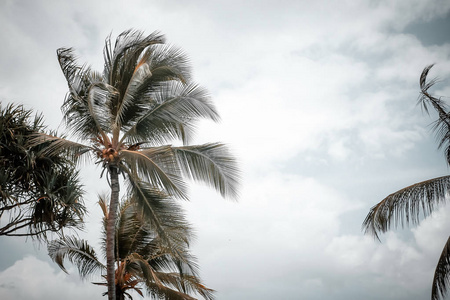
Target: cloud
{"type": "Point", "coordinates": [274, 234]}
{"type": "Point", "coordinates": [31, 278]}
{"type": "Point", "coordinates": [317, 102]}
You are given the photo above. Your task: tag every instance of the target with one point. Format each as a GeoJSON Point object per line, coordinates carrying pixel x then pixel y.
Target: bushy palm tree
{"type": "Point", "coordinates": [38, 193]}
{"type": "Point", "coordinates": [144, 260]}
{"type": "Point", "coordinates": [126, 116]}
{"type": "Point", "coordinates": [409, 205]}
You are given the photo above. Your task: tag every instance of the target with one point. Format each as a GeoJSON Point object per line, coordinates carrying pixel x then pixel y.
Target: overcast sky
{"type": "Point", "coordinates": [318, 102]}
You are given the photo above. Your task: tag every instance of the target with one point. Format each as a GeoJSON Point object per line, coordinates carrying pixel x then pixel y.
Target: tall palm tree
{"type": "Point", "coordinates": [143, 259]}
{"type": "Point", "coordinates": [38, 193]}
{"type": "Point", "coordinates": [125, 117]}
{"type": "Point", "coordinates": [407, 206]}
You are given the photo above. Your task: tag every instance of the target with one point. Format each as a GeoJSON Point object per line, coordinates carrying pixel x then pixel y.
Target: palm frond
{"type": "Point", "coordinates": [168, 63]}
{"type": "Point", "coordinates": [121, 61]}
{"type": "Point", "coordinates": [212, 164]}
{"type": "Point", "coordinates": [441, 278]}
{"type": "Point", "coordinates": [158, 64]}
{"type": "Point", "coordinates": [78, 252]}
{"type": "Point", "coordinates": [171, 114]}
{"type": "Point", "coordinates": [157, 166]}
{"type": "Point", "coordinates": [163, 292]}
{"type": "Point", "coordinates": [99, 97]}
{"type": "Point", "coordinates": [56, 146]}
{"type": "Point", "coordinates": [131, 233]}
{"type": "Point", "coordinates": [160, 214]}
{"type": "Point", "coordinates": [442, 124]}
{"type": "Point", "coordinates": [82, 114]}
{"type": "Point", "coordinates": [187, 284]}
{"type": "Point", "coordinates": [139, 267]}
{"type": "Point", "coordinates": [407, 205]}
{"type": "Point", "coordinates": [131, 105]}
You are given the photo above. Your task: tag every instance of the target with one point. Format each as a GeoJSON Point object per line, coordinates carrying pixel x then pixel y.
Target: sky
{"type": "Point", "coordinates": [318, 104]}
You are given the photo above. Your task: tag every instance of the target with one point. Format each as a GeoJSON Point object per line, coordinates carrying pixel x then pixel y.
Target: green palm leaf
{"type": "Point", "coordinates": [210, 163]}
{"type": "Point", "coordinates": [442, 274]}
{"type": "Point", "coordinates": [55, 146]}
{"type": "Point", "coordinates": [158, 167]}
{"type": "Point", "coordinates": [121, 61]}
{"type": "Point", "coordinates": [442, 124]}
{"type": "Point", "coordinates": [166, 293]}
{"type": "Point", "coordinates": [84, 108]}
{"type": "Point", "coordinates": [78, 252]}
{"type": "Point", "coordinates": [407, 205]}
{"type": "Point", "coordinates": [157, 65]}
{"type": "Point", "coordinates": [188, 284]}
{"type": "Point", "coordinates": [171, 113]}
{"type": "Point", "coordinates": [163, 215]}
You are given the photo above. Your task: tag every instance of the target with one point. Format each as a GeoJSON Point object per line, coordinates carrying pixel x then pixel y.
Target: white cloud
{"type": "Point", "coordinates": [30, 278]}
{"type": "Point", "coordinates": [323, 84]}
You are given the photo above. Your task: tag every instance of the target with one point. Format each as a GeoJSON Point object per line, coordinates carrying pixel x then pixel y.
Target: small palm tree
{"type": "Point", "coordinates": [126, 116]}
{"type": "Point", "coordinates": [38, 193]}
{"type": "Point", "coordinates": [143, 259]}
{"type": "Point", "coordinates": [407, 205]}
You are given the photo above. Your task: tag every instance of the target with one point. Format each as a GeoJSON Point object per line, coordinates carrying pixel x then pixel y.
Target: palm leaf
{"type": "Point", "coordinates": [186, 283]}
{"type": "Point", "coordinates": [442, 124]}
{"type": "Point", "coordinates": [442, 274]}
{"type": "Point", "coordinates": [160, 214]}
{"type": "Point", "coordinates": [139, 267]}
{"type": "Point", "coordinates": [407, 205]}
{"type": "Point", "coordinates": [164, 292]}
{"type": "Point", "coordinates": [157, 166]}
{"type": "Point", "coordinates": [210, 163]}
{"type": "Point", "coordinates": [171, 113]}
{"type": "Point", "coordinates": [82, 114]}
{"type": "Point", "coordinates": [131, 233]}
{"type": "Point", "coordinates": [55, 145]}
{"type": "Point", "coordinates": [121, 61]}
{"type": "Point", "coordinates": [78, 252]}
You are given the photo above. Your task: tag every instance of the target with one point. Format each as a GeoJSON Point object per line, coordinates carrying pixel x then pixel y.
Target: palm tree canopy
{"type": "Point", "coordinates": [163, 267]}
{"type": "Point", "coordinates": [143, 99]}
{"type": "Point", "coordinates": [39, 193]}
{"type": "Point", "coordinates": [413, 203]}
{"type": "Point", "coordinates": [127, 116]}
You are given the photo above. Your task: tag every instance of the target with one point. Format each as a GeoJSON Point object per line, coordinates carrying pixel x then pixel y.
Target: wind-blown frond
{"type": "Point", "coordinates": [168, 63]}
{"type": "Point", "coordinates": [78, 252]}
{"type": "Point", "coordinates": [188, 284]}
{"type": "Point", "coordinates": [442, 124]}
{"type": "Point", "coordinates": [406, 205]}
{"type": "Point", "coordinates": [158, 65]}
{"type": "Point", "coordinates": [160, 213]}
{"type": "Point", "coordinates": [56, 145]}
{"type": "Point", "coordinates": [441, 278]}
{"type": "Point", "coordinates": [121, 61]}
{"type": "Point", "coordinates": [210, 163]}
{"type": "Point", "coordinates": [157, 166]}
{"type": "Point", "coordinates": [84, 109]}
{"type": "Point", "coordinates": [171, 114]}
{"type": "Point", "coordinates": [166, 293]}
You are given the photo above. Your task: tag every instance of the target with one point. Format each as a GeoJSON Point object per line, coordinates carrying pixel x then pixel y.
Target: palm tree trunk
{"type": "Point", "coordinates": [110, 232]}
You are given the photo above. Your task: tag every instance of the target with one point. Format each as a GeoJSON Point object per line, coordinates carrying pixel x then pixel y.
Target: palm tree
{"type": "Point", "coordinates": [407, 205]}
{"type": "Point", "coordinates": [143, 259]}
{"type": "Point", "coordinates": [125, 118]}
{"type": "Point", "coordinates": [38, 193]}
